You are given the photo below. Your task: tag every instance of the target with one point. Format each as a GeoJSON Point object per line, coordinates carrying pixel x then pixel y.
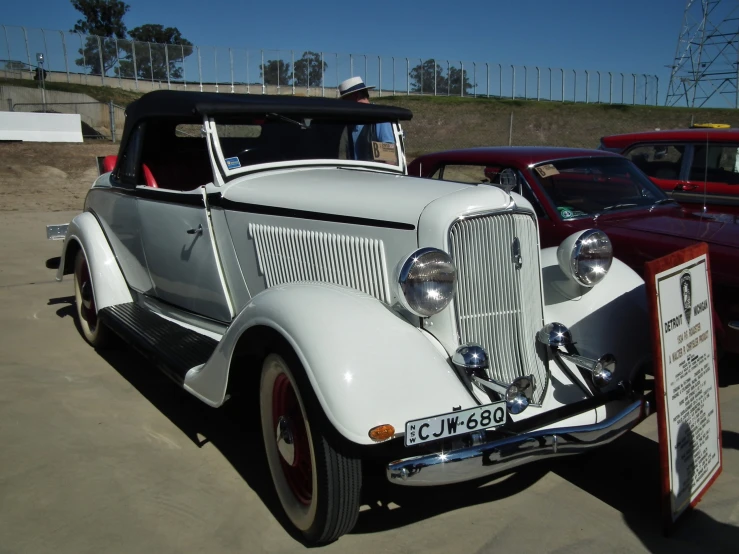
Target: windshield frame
{"type": "Point", "coordinates": [230, 172]}
{"type": "Point", "coordinates": [640, 179]}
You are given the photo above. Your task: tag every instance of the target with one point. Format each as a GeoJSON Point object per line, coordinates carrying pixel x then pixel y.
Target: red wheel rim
{"type": "Point", "coordinates": [299, 474]}
{"type": "Point", "coordinates": [87, 306]}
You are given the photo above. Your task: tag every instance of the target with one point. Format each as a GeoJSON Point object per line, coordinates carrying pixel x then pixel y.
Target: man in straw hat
{"type": "Point", "coordinates": [362, 136]}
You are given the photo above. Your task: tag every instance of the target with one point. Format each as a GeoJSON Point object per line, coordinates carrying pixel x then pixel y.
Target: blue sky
{"type": "Point", "coordinates": [634, 36]}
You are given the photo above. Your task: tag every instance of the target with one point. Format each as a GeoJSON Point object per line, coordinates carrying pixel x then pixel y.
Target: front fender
{"type": "Point", "coordinates": [612, 317]}
{"type": "Point", "coordinates": [367, 365]}
{"type": "Point", "coordinates": [108, 284]}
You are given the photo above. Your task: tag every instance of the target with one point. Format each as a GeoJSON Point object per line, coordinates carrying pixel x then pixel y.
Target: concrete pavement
{"type": "Point", "coordinates": [101, 453]}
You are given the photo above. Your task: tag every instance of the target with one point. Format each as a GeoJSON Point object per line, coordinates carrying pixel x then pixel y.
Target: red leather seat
{"type": "Point", "coordinates": [148, 177]}
{"type": "Point", "coordinates": [109, 163]}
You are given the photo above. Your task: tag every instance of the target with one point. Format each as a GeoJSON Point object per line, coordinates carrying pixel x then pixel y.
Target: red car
{"type": "Point", "coordinates": [691, 165]}
{"type": "Point", "coordinates": [573, 189]}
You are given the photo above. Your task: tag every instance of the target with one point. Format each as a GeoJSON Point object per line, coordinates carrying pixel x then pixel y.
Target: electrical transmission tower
{"type": "Point", "coordinates": [706, 66]}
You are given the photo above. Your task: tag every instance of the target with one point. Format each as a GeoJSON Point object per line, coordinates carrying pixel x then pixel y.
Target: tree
{"type": "Point", "coordinates": [104, 20]}
{"type": "Point", "coordinates": [422, 76]}
{"type": "Point", "coordinates": [308, 70]}
{"type": "Point", "coordinates": [455, 82]}
{"type": "Point", "coordinates": [170, 49]}
{"type": "Point", "coordinates": [275, 72]}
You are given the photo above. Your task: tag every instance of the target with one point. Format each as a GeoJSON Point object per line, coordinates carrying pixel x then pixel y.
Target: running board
{"type": "Point", "coordinates": [172, 348]}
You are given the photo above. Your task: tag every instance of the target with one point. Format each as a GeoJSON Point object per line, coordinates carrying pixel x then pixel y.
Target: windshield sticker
{"type": "Point", "coordinates": [546, 170]}
{"type": "Point", "coordinates": [384, 152]}
{"type": "Point", "coordinates": [567, 212]}
{"type": "Point", "coordinates": [233, 163]}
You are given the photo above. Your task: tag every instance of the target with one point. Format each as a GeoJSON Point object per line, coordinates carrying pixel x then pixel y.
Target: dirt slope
{"type": "Point", "coordinates": [37, 176]}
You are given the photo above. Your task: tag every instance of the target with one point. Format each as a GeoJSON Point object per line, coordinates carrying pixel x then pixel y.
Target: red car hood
{"type": "Point", "coordinates": [720, 232]}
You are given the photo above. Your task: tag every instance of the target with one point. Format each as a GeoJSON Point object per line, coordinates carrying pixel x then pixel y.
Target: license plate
{"type": "Point", "coordinates": [455, 423]}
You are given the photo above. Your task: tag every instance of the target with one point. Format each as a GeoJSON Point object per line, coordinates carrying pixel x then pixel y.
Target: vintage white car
{"type": "Point", "coordinates": [247, 242]}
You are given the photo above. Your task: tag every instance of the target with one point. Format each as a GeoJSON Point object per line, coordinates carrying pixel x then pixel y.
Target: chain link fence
{"type": "Point", "coordinates": [86, 59]}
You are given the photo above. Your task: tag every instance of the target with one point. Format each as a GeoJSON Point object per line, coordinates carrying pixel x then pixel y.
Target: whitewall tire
{"type": "Point", "coordinates": [318, 486]}
{"type": "Point", "coordinates": [91, 327]}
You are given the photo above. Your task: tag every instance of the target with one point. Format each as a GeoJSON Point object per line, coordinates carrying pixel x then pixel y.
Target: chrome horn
{"type": "Point", "coordinates": [473, 359]}
{"type": "Point", "coordinates": [556, 335]}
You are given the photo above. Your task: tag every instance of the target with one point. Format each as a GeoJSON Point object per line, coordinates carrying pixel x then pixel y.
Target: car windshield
{"type": "Point", "coordinates": [280, 138]}
{"type": "Point", "coordinates": [585, 187]}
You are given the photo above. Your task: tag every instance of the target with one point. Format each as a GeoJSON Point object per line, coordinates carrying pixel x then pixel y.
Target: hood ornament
{"type": "Point", "coordinates": [516, 253]}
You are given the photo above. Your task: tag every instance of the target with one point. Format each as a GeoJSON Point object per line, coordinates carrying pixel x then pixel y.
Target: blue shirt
{"type": "Point", "coordinates": [384, 132]}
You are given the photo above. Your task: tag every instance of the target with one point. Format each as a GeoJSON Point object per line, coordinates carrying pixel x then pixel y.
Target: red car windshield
{"type": "Point", "coordinates": [584, 187]}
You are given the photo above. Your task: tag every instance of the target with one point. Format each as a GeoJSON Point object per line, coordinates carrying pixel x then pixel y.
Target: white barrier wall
{"type": "Point", "coordinates": [40, 127]}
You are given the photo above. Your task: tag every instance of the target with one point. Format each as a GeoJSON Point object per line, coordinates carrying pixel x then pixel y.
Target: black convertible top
{"type": "Point", "coordinates": [170, 103]}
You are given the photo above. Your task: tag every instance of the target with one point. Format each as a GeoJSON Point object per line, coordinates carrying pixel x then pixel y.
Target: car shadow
{"type": "Point", "coordinates": [386, 506]}
{"type": "Point", "coordinates": [230, 429]}
{"type": "Point", "coordinates": [632, 487]}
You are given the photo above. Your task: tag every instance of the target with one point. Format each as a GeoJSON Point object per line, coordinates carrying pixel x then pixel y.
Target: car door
{"type": "Point", "coordinates": [664, 163]}
{"type": "Point", "coordinates": [712, 176]}
{"type": "Point", "coordinates": [176, 230]}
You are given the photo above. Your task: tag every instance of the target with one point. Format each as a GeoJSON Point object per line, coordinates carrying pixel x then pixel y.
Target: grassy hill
{"type": "Point", "coordinates": [441, 123]}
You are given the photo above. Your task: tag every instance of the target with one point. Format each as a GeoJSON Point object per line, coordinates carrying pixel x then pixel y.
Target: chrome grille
{"type": "Point", "coordinates": [292, 255]}
{"type": "Point", "coordinates": [497, 305]}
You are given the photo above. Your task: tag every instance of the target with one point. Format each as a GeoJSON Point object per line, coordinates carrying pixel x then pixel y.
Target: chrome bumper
{"type": "Point", "coordinates": [497, 456]}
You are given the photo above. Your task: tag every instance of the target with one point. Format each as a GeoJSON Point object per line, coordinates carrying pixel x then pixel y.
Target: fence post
{"type": "Point", "coordinates": [510, 131]}
{"type": "Point", "coordinates": [393, 58]}
{"type": "Point", "coordinates": [622, 89]}
{"type": "Point", "coordinates": [500, 82]}
{"type": "Point", "coordinates": [610, 87]}
{"type": "Point", "coordinates": [133, 57]}
{"type": "Point", "coordinates": [448, 79]}
{"type": "Point", "coordinates": [184, 68]}
{"type": "Point", "coordinates": [587, 86]}
{"type": "Point", "coordinates": [379, 74]}
{"type": "Point", "coordinates": [292, 59]}
{"type": "Point", "coordinates": [461, 78]}
{"type": "Point", "coordinates": [574, 90]}
{"type": "Point", "coordinates": [351, 67]}
{"type": "Point", "coordinates": [525, 82]}
{"type": "Point", "coordinates": [7, 45]}
{"type": "Point", "coordinates": [28, 52]}
{"type": "Point", "coordinates": [598, 86]}
{"type": "Point", "coordinates": [166, 61]}
{"type": "Point", "coordinates": [633, 94]}
{"type": "Point", "coordinates": [102, 63]}
{"type": "Point", "coordinates": [435, 79]}
{"type": "Point", "coordinates": [646, 84]}
{"type": "Point", "coordinates": [111, 111]}
{"type": "Point", "coordinates": [407, 78]}
{"type": "Point", "coordinates": [200, 69]}
{"type": "Point", "coordinates": [487, 78]}
{"type": "Point", "coordinates": [538, 84]}
{"type": "Point", "coordinates": [261, 70]}
{"type": "Point", "coordinates": [64, 52]}
{"type": "Point", "coordinates": [421, 60]}
{"type": "Point", "coordinates": [563, 84]}
{"type": "Point", "coordinates": [323, 78]}
{"type": "Point", "coordinates": [118, 61]}
{"type": "Point", "coordinates": [474, 80]}
{"type": "Point", "coordinates": [151, 65]}
{"type": "Point", "coordinates": [46, 49]}
{"type": "Point", "coordinates": [215, 64]}
{"type": "Point", "coordinates": [365, 67]}
{"type": "Point", "coordinates": [656, 93]}
{"type": "Point", "coordinates": [513, 82]}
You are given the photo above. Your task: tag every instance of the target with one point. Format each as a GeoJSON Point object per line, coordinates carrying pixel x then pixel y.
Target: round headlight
{"type": "Point", "coordinates": [586, 257]}
{"type": "Point", "coordinates": [426, 281]}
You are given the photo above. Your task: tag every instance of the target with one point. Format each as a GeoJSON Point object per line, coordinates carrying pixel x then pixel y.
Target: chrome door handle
{"type": "Point", "coordinates": [198, 231]}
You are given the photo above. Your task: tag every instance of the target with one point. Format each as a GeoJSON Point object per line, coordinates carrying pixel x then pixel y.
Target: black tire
{"type": "Point", "coordinates": [92, 329]}
{"type": "Point", "coordinates": [318, 486]}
